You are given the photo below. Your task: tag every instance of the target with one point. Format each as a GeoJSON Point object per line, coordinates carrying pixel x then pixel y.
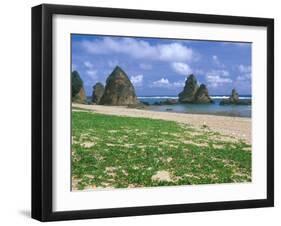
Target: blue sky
{"type": "Point", "coordinates": [160, 66]}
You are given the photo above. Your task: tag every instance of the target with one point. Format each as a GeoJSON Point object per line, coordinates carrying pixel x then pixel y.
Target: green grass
{"type": "Point", "coordinates": [121, 152]}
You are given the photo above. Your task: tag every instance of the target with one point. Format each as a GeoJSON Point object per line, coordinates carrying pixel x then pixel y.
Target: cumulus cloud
{"type": "Point", "coordinates": [217, 62]}
{"type": "Point", "coordinates": [90, 70]}
{"type": "Point", "coordinates": [245, 72]}
{"type": "Point", "coordinates": [165, 83]}
{"type": "Point", "coordinates": [137, 80]}
{"type": "Point", "coordinates": [88, 65]}
{"type": "Point", "coordinates": [139, 49]}
{"type": "Point", "coordinates": [217, 78]}
{"type": "Point", "coordinates": [181, 68]}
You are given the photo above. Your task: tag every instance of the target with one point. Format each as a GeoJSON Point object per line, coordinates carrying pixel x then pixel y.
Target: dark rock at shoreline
{"type": "Point", "coordinates": [98, 90]}
{"type": "Point", "coordinates": [145, 103]}
{"type": "Point", "coordinates": [169, 101]}
{"type": "Point", "coordinates": [202, 95]}
{"type": "Point", "coordinates": [239, 102]}
{"type": "Point", "coordinates": [119, 90]}
{"type": "Point", "coordinates": [166, 102]}
{"type": "Point", "coordinates": [234, 99]}
{"type": "Point", "coordinates": [189, 91]}
{"type": "Point", "coordinates": [139, 105]}
{"type": "Point", "coordinates": [194, 94]}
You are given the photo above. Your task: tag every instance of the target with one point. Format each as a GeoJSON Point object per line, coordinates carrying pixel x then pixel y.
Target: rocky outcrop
{"type": "Point", "coordinates": [80, 96]}
{"type": "Point", "coordinates": [119, 90]}
{"type": "Point", "coordinates": [234, 99]}
{"type": "Point", "coordinates": [77, 90]}
{"type": "Point", "coordinates": [194, 94]}
{"type": "Point", "coordinates": [98, 90]}
{"type": "Point", "coordinates": [202, 95]}
{"type": "Point", "coordinates": [168, 101]}
{"type": "Point", "coordinates": [189, 91]}
{"type": "Point", "coordinates": [234, 96]}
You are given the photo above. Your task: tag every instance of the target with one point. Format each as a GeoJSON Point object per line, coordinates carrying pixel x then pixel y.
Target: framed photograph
{"type": "Point", "coordinates": [145, 112]}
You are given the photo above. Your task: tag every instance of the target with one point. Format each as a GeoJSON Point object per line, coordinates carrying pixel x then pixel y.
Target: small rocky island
{"type": "Point", "coordinates": [234, 99]}
{"type": "Point", "coordinates": [119, 90]}
{"type": "Point", "coordinates": [194, 94]}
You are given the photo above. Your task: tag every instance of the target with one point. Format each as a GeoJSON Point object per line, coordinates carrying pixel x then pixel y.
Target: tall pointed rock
{"type": "Point", "coordinates": [189, 91]}
{"type": "Point", "coordinates": [118, 89]}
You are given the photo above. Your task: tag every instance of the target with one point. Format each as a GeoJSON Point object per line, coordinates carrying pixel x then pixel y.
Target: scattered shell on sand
{"type": "Point", "coordinates": [161, 176]}
{"type": "Point", "coordinates": [88, 144]}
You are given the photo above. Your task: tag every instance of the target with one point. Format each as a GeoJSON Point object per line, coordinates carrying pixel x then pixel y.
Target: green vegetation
{"type": "Point", "coordinates": [76, 83]}
{"type": "Point", "coordinates": [120, 152]}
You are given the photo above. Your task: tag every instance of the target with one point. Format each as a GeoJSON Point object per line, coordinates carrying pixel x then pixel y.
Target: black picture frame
{"type": "Point", "coordinates": [42, 107]}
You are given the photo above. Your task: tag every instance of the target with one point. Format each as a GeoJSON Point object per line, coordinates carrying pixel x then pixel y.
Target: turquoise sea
{"type": "Point", "coordinates": [215, 108]}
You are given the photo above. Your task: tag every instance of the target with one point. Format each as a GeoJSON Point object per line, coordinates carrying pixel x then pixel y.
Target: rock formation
{"type": "Point", "coordinates": [189, 91]}
{"type": "Point", "coordinates": [234, 96]}
{"type": "Point", "coordinates": [119, 90]}
{"type": "Point", "coordinates": [194, 94]}
{"type": "Point", "coordinates": [168, 101]}
{"type": "Point", "coordinates": [98, 90]}
{"type": "Point", "coordinates": [77, 90]}
{"type": "Point", "coordinates": [202, 95]}
{"type": "Point", "coordinates": [234, 99]}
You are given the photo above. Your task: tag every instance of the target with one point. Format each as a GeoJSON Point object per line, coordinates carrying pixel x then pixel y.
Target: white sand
{"type": "Point", "coordinates": [235, 126]}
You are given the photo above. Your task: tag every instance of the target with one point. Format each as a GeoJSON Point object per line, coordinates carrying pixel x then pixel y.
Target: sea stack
{"type": "Point", "coordinates": [202, 95]}
{"type": "Point", "coordinates": [98, 90]}
{"type": "Point", "coordinates": [234, 96]}
{"type": "Point", "coordinates": [194, 94]}
{"type": "Point", "coordinates": [77, 90]}
{"type": "Point", "coordinates": [119, 90]}
{"type": "Point", "coordinates": [234, 99]}
{"type": "Point", "coordinates": [189, 91]}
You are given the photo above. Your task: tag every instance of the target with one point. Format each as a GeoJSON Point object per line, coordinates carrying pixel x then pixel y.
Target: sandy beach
{"type": "Point", "coordinates": [237, 127]}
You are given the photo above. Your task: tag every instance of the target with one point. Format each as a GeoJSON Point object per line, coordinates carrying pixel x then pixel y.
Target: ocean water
{"type": "Point", "coordinates": [214, 108]}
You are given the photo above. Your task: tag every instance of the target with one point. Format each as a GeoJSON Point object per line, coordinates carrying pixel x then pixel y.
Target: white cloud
{"type": "Point", "coordinates": [217, 78]}
{"type": "Point", "coordinates": [217, 62]}
{"type": "Point", "coordinates": [90, 70]}
{"type": "Point", "coordinates": [244, 68]}
{"type": "Point", "coordinates": [139, 49]}
{"type": "Point", "coordinates": [145, 66]}
{"type": "Point", "coordinates": [179, 84]}
{"type": "Point", "coordinates": [245, 72]}
{"type": "Point", "coordinates": [92, 73]}
{"type": "Point", "coordinates": [137, 80]}
{"type": "Point", "coordinates": [181, 68]}
{"type": "Point", "coordinates": [88, 65]}
{"type": "Point", "coordinates": [165, 83]}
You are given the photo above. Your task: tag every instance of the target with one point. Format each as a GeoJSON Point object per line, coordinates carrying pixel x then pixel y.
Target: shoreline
{"type": "Point", "coordinates": [238, 127]}
{"type": "Point", "coordinates": [224, 114]}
